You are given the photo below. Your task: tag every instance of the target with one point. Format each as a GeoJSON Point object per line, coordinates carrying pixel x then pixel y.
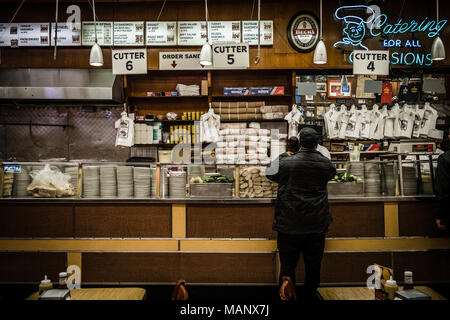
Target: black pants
{"type": "Point", "coordinates": [312, 246]}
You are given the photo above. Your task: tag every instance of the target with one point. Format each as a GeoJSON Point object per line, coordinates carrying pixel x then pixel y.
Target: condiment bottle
{"type": "Point", "coordinates": [390, 288]}
{"type": "Point", "coordinates": [62, 280]}
{"type": "Point", "coordinates": [409, 284]}
{"type": "Point", "coordinates": [45, 284]}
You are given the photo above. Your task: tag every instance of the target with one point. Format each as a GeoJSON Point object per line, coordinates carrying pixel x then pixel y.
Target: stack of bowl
{"type": "Point", "coordinates": [125, 182]}
{"type": "Point", "coordinates": [142, 179]}
{"type": "Point", "coordinates": [177, 185]}
{"type": "Point", "coordinates": [72, 171]}
{"type": "Point", "coordinates": [372, 179]}
{"type": "Point", "coordinates": [108, 182]}
{"type": "Point", "coordinates": [91, 182]}
{"type": "Point", "coordinates": [21, 181]}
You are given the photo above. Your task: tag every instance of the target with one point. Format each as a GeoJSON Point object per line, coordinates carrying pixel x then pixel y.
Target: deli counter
{"type": "Point", "coordinates": [152, 223]}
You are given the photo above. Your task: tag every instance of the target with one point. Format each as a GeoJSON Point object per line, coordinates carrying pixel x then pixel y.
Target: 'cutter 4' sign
{"type": "Point", "coordinates": [361, 21]}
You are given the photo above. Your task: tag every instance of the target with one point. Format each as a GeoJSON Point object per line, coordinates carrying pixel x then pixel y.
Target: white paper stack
{"type": "Point", "coordinates": [184, 90]}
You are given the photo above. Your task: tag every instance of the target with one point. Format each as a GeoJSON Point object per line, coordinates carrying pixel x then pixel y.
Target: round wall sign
{"type": "Point", "coordinates": [303, 31]}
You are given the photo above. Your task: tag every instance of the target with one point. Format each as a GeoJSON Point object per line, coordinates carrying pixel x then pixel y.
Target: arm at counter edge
{"type": "Point", "coordinates": [273, 171]}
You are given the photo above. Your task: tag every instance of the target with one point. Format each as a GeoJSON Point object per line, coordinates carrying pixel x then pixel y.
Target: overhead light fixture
{"type": "Point", "coordinates": [437, 49]}
{"type": "Point", "coordinates": [320, 53]}
{"type": "Point", "coordinates": [96, 56]}
{"type": "Point", "coordinates": [206, 53]}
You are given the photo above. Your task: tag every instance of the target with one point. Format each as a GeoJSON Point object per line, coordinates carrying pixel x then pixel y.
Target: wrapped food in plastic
{"type": "Point", "coordinates": [50, 183]}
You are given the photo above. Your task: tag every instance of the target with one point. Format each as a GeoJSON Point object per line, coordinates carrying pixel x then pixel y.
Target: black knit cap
{"type": "Point", "coordinates": [309, 138]}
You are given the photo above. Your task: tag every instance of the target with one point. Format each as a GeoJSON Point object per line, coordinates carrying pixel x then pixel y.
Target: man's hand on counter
{"type": "Point", "coordinates": [440, 224]}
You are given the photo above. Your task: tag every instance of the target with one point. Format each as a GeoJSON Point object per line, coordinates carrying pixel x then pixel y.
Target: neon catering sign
{"type": "Point", "coordinates": [356, 28]}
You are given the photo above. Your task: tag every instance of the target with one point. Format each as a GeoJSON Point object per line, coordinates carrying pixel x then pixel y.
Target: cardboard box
{"type": "Point", "coordinates": [267, 91]}
{"type": "Point", "coordinates": [236, 91]}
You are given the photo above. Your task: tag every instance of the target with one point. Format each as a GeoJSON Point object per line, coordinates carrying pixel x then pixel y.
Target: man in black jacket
{"type": "Point", "coordinates": [301, 213]}
{"type": "Point", "coordinates": [442, 187]}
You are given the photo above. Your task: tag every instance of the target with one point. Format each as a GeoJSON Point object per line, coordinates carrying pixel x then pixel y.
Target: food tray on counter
{"type": "Point", "coordinates": [211, 190]}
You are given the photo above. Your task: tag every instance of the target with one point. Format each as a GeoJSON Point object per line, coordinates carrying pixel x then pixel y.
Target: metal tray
{"type": "Point", "coordinates": [211, 190]}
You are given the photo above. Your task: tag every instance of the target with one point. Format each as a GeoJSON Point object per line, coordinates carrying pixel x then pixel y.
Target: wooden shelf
{"type": "Point", "coordinates": [252, 97]}
{"type": "Point", "coordinates": [167, 97]}
{"type": "Point", "coordinates": [255, 120]}
{"type": "Point", "coordinates": [362, 152]}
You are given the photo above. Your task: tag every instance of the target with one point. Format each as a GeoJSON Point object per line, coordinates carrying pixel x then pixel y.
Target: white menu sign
{"type": "Point", "coordinates": [104, 33]}
{"type": "Point", "coordinates": [224, 31]}
{"type": "Point", "coordinates": [68, 35]}
{"type": "Point", "coordinates": [191, 33]}
{"type": "Point", "coordinates": [161, 34]}
{"type": "Point", "coordinates": [183, 60]}
{"type": "Point", "coordinates": [250, 32]}
{"type": "Point", "coordinates": [34, 34]}
{"type": "Point", "coordinates": [129, 33]}
{"type": "Point", "coordinates": [9, 35]}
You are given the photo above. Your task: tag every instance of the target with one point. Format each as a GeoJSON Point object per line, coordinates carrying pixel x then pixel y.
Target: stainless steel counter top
{"type": "Point", "coordinates": [201, 200]}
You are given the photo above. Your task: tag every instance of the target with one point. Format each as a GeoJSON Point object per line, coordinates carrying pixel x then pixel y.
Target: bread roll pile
{"type": "Point", "coordinates": [253, 183]}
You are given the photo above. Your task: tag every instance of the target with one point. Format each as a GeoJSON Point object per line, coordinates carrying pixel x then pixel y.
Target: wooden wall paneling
{"type": "Point", "coordinates": [356, 220]}
{"type": "Point", "coordinates": [31, 266]}
{"type": "Point", "coordinates": [279, 56]}
{"type": "Point", "coordinates": [428, 266]}
{"type": "Point", "coordinates": [230, 221]}
{"type": "Point", "coordinates": [228, 267]}
{"type": "Point", "coordinates": [416, 219]}
{"type": "Point", "coordinates": [123, 221]}
{"type": "Point", "coordinates": [391, 220]}
{"type": "Point", "coordinates": [131, 267]}
{"type": "Point", "coordinates": [346, 267]}
{"type": "Point", "coordinates": [31, 221]}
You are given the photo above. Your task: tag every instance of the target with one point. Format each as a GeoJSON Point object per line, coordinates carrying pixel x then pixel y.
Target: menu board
{"type": "Point", "coordinates": [250, 32]}
{"type": "Point", "coordinates": [9, 35]}
{"type": "Point", "coordinates": [161, 34]}
{"type": "Point", "coordinates": [68, 34]}
{"type": "Point", "coordinates": [224, 31]}
{"type": "Point", "coordinates": [129, 33]}
{"type": "Point", "coordinates": [34, 34]}
{"type": "Point", "coordinates": [104, 33]}
{"type": "Point", "coordinates": [191, 33]}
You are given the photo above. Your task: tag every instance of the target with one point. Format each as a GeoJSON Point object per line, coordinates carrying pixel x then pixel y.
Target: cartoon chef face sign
{"type": "Point", "coordinates": [355, 26]}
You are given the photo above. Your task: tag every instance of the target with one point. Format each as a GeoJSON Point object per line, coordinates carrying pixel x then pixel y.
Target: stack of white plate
{"type": "Point", "coordinates": [21, 182]}
{"type": "Point", "coordinates": [91, 182]}
{"type": "Point", "coordinates": [124, 182]}
{"type": "Point", "coordinates": [73, 173]}
{"type": "Point", "coordinates": [389, 179]}
{"type": "Point", "coordinates": [372, 179]}
{"type": "Point", "coordinates": [409, 181]}
{"type": "Point", "coordinates": [163, 183]}
{"type": "Point", "coordinates": [177, 185]}
{"type": "Point", "coordinates": [142, 179]}
{"type": "Point", "coordinates": [356, 169]}
{"type": "Point", "coordinates": [108, 182]}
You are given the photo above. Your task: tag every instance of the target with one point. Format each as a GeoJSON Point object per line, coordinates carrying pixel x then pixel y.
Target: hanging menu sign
{"type": "Point", "coordinates": [68, 35]}
{"type": "Point", "coordinates": [185, 60]}
{"type": "Point", "coordinates": [224, 31]}
{"type": "Point", "coordinates": [104, 33]}
{"type": "Point", "coordinates": [9, 35]}
{"type": "Point", "coordinates": [191, 33]}
{"type": "Point", "coordinates": [34, 34]}
{"type": "Point", "coordinates": [250, 32]}
{"type": "Point", "coordinates": [161, 34]}
{"type": "Point", "coordinates": [129, 33]}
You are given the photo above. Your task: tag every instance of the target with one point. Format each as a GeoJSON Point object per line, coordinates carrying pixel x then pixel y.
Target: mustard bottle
{"type": "Point", "coordinates": [390, 288]}
{"type": "Point", "coordinates": [45, 285]}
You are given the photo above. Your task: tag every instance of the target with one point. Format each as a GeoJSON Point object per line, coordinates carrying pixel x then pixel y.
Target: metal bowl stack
{"type": "Point", "coordinates": [356, 169]}
{"type": "Point", "coordinates": [409, 181]}
{"type": "Point", "coordinates": [196, 171]}
{"type": "Point", "coordinates": [125, 182]}
{"type": "Point", "coordinates": [372, 179]}
{"type": "Point", "coordinates": [389, 181]}
{"type": "Point", "coordinates": [142, 179]}
{"type": "Point", "coordinates": [72, 171]}
{"type": "Point", "coordinates": [177, 185]}
{"type": "Point", "coordinates": [21, 181]}
{"type": "Point", "coordinates": [91, 182]}
{"type": "Point", "coordinates": [108, 182]}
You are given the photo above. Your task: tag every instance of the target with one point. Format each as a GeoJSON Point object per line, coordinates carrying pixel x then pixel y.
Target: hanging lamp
{"type": "Point", "coordinates": [438, 48]}
{"type": "Point", "coordinates": [96, 55]}
{"type": "Point", "coordinates": [206, 53]}
{"type": "Point", "coordinates": [320, 53]}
